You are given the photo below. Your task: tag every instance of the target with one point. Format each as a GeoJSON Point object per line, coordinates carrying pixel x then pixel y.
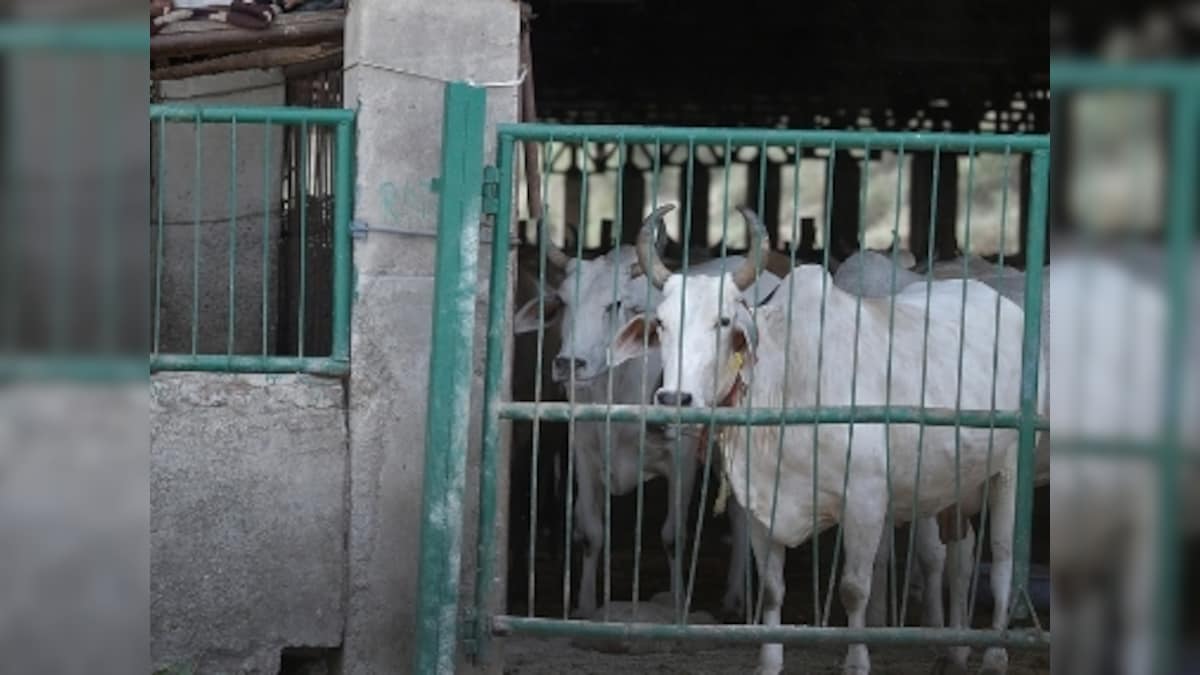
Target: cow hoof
{"type": "Point", "coordinates": [995, 662]}
{"type": "Point", "coordinates": [858, 661]}
{"type": "Point", "coordinates": [769, 669]}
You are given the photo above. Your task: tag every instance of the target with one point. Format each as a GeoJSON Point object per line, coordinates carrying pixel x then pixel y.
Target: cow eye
{"type": "Point", "coordinates": [725, 322]}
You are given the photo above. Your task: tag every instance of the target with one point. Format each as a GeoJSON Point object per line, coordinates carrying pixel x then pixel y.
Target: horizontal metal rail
{"type": "Point", "coordinates": [788, 635]}
{"type": "Point", "coordinates": [111, 37]}
{"type": "Point", "coordinates": [174, 112]}
{"type": "Point", "coordinates": [1067, 75]}
{"type": "Point", "coordinates": [44, 367]}
{"type": "Point", "coordinates": [315, 365]}
{"type": "Point", "coordinates": [876, 140]}
{"type": "Point", "coordinates": [872, 414]}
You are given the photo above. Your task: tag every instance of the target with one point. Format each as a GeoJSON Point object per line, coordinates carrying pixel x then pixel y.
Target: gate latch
{"type": "Point", "coordinates": [490, 205]}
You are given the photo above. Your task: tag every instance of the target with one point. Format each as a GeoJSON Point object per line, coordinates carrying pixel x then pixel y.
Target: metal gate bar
{"type": "Point", "coordinates": [793, 635]}
{"type": "Point", "coordinates": [450, 373]}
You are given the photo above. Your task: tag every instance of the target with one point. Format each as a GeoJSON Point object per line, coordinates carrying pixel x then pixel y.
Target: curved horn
{"type": "Point", "coordinates": [647, 254]}
{"type": "Point", "coordinates": [554, 254]}
{"type": "Point", "coordinates": [748, 272]}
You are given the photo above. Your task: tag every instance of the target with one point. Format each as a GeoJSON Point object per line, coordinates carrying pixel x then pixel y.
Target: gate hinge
{"type": "Point", "coordinates": [491, 191]}
{"type": "Point", "coordinates": [467, 630]}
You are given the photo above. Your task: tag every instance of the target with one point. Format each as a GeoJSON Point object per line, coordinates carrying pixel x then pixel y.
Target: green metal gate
{"type": "Point", "coordinates": [464, 203]}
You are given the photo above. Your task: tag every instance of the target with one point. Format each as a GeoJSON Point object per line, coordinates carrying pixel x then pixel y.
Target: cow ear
{"type": "Point", "coordinates": [635, 337]}
{"type": "Point", "coordinates": [744, 338]}
{"type": "Point", "coordinates": [526, 319]}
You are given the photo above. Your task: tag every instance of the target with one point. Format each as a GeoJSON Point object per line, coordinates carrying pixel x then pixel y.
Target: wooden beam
{"type": "Point", "coordinates": [260, 59]}
{"type": "Point", "coordinates": [213, 37]}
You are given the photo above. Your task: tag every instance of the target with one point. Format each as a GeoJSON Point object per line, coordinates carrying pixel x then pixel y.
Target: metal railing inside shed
{"type": "Point", "coordinates": [67, 281]}
{"type": "Point", "coordinates": [1025, 419]}
{"type": "Point", "coordinates": [1165, 451]}
{"type": "Point", "coordinates": [246, 344]}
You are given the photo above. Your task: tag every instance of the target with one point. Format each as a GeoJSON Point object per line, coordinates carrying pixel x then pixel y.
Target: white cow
{"type": "Point", "coordinates": [871, 274]}
{"type": "Point", "coordinates": [582, 367]}
{"type": "Point", "coordinates": [727, 350]}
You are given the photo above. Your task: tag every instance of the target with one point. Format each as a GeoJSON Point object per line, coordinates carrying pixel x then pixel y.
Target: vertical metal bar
{"type": "Point", "coordinates": [233, 174]}
{"type": "Point", "coordinates": [1180, 236]}
{"type": "Point", "coordinates": [450, 373]}
{"type": "Point", "coordinates": [302, 193]}
{"type": "Point", "coordinates": [543, 243]}
{"type": "Point", "coordinates": [708, 449]}
{"type": "Point", "coordinates": [196, 239]}
{"type": "Point", "coordinates": [1035, 249]}
{"type": "Point", "coordinates": [956, 551]}
{"type": "Point", "coordinates": [343, 283]}
{"type": "Point", "coordinates": [983, 514]}
{"type": "Point", "coordinates": [676, 495]}
{"type": "Point", "coordinates": [640, 506]}
{"type": "Point", "coordinates": [489, 455]}
{"type": "Point", "coordinates": [581, 233]}
{"type": "Point", "coordinates": [933, 213]}
{"type": "Point", "coordinates": [614, 321]}
{"type": "Point", "coordinates": [266, 232]}
{"type": "Point", "coordinates": [112, 309]}
{"type": "Point", "coordinates": [863, 182]}
{"type": "Point", "coordinates": [890, 519]}
{"type": "Point", "coordinates": [158, 245]}
{"type": "Point", "coordinates": [826, 245]}
{"type": "Point", "coordinates": [543, 240]}
{"type": "Point", "coordinates": [60, 309]}
{"type": "Point", "coordinates": [12, 193]}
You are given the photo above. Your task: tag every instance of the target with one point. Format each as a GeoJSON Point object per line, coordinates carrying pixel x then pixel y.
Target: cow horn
{"type": "Point", "coordinates": [647, 253]}
{"type": "Point", "coordinates": [554, 254]}
{"type": "Point", "coordinates": [759, 243]}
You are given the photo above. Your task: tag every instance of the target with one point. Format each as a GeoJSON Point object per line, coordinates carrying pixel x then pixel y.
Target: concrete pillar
{"type": "Point", "coordinates": [420, 45]}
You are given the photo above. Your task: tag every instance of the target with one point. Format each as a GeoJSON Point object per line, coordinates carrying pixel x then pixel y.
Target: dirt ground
{"type": "Point", "coordinates": [524, 656]}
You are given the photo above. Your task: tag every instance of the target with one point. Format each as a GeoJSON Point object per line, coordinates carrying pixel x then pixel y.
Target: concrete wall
{"type": "Point", "coordinates": [399, 150]}
{"type": "Point", "coordinates": [248, 519]}
{"type": "Point", "coordinates": [257, 207]}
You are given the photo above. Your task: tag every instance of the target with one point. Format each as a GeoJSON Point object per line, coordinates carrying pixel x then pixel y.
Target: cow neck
{"type": "Point", "coordinates": [731, 399]}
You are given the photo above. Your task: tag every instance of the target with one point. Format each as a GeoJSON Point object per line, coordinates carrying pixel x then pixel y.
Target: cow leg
{"type": "Point", "coordinates": [877, 604]}
{"type": "Point", "coordinates": [734, 602]}
{"type": "Point", "coordinates": [679, 490]}
{"type": "Point", "coordinates": [589, 526]}
{"type": "Point", "coordinates": [959, 565]}
{"type": "Point", "coordinates": [1136, 641]}
{"type": "Point", "coordinates": [861, 532]}
{"type": "Point", "coordinates": [769, 556]}
{"type": "Point", "coordinates": [931, 563]}
{"type": "Point", "coordinates": [1003, 501]}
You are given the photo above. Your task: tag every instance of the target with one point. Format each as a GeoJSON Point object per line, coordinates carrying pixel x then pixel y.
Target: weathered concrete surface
{"type": "Point", "coordinates": [248, 524]}
{"type": "Point", "coordinates": [74, 535]}
{"type": "Point", "coordinates": [398, 156]}
{"type": "Point", "coordinates": [185, 202]}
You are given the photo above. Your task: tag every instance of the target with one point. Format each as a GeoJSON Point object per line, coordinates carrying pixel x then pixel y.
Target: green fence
{"type": "Point", "coordinates": [1177, 85]}
{"type": "Point", "coordinates": [236, 353]}
{"type": "Point", "coordinates": [45, 298]}
{"type": "Point", "coordinates": [441, 532]}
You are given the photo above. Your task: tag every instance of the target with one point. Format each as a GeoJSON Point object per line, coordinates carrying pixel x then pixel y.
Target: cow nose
{"type": "Point", "coordinates": [563, 364]}
{"type": "Point", "coordinates": [673, 398]}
